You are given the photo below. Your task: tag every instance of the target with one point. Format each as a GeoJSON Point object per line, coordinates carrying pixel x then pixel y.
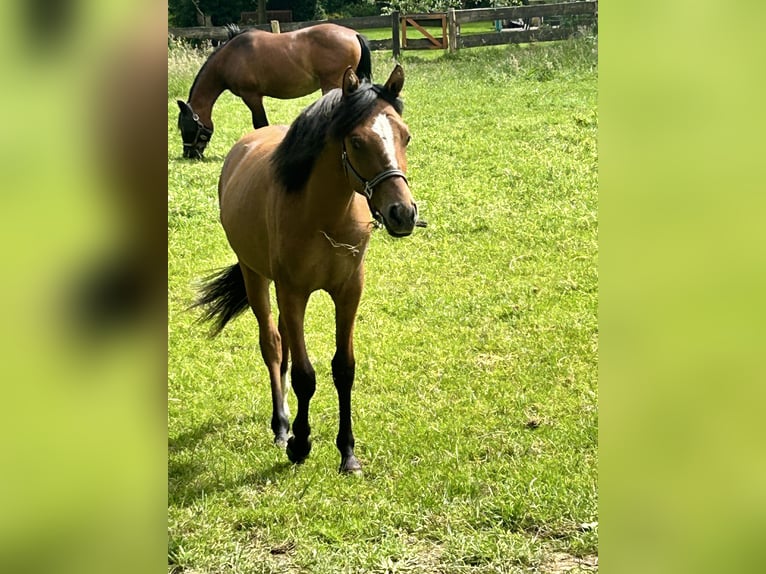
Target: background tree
{"type": "Point", "coordinates": [421, 6]}
{"type": "Point", "coordinates": [184, 13]}
{"type": "Point", "coordinates": [302, 9]}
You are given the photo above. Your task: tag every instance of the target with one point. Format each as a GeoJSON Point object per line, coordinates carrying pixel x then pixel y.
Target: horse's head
{"type": "Point", "coordinates": [194, 133]}
{"type": "Point", "coordinates": [374, 157]}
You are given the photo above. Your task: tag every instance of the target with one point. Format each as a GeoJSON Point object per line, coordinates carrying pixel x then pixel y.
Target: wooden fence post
{"type": "Point", "coordinates": [275, 26]}
{"type": "Point", "coordinates": [395, 34]}
{"type": "Point", "coordinates": [261, 14]}
{"type": "Point", "coordinates": [452, 27]}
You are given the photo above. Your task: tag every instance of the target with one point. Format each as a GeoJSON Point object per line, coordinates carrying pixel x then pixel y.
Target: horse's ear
{"type": "Point", "coordinates": [395, 81]}
{"type": "Point", "coordinates": [350, 82]}
{"type": "Point", "coordinates": [184, 107]}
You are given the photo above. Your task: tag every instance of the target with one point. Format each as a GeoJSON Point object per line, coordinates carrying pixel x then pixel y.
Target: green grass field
{"type": "Point", "coordinates": [475, 403]}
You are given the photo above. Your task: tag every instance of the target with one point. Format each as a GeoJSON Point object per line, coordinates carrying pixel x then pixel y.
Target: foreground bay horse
{"type": "Point", "coordinates": [255, 64]}
{"type": "Point", "coordinates": [297, 207]}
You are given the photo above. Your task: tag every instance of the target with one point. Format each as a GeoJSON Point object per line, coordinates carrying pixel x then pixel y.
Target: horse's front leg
{"type": "Point", "coordinates": [343, 369]}
{"type": "Point", "coordinates": [292, 310]}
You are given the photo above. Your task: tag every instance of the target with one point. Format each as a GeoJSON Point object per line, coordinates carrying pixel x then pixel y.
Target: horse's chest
{"type": "Point", "coordinates": [324, 263]}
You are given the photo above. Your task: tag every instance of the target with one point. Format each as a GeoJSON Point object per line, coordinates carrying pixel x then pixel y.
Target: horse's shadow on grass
{"type": "Point", "coordinates": [190, 477]}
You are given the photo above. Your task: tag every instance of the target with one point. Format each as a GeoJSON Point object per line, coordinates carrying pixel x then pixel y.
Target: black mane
{"type": "Point", "coordinates": [232, 30]}
{"type": "Point", "coordinates": [330, 117]}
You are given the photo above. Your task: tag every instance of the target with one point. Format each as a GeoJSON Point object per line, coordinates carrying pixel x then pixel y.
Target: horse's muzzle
{"type": "Point", "coordinates": [400, 219]}
{"type": "Point", "coordinates": [193, 152]}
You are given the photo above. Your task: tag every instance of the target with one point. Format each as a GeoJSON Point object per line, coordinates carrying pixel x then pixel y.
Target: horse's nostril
{"type": "Point", "coordinates": [401, 214]}
{"type": "Point", "coordinates": [394, 213]}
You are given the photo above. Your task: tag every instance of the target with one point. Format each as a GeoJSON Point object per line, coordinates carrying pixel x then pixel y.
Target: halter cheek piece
{"type": "Point", "coordinates": [369, 184]}
{"type": "Point", "coordinates": [203, 134]}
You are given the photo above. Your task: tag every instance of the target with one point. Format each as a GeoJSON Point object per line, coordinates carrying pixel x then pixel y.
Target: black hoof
{"type": "Point", "coordinates": [297, 452]}
{"type": "Point", "coordinates": [350, 465]}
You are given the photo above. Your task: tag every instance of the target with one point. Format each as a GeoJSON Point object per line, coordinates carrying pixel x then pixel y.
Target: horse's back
{"type": "Point", "coordinates": [292, 64]}
{"type": "Point", "coordinates": [329, 35]}
{"type": "Point", "coordinates": [250, 153]}
{"type": "Point", "coordinates": [246, 191]}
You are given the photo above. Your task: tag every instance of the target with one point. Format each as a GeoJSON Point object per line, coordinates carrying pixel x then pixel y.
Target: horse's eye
{"type": "Point", "coordinates": [356, 142]}
{"type": "Point", "coordinates": [408, 140]}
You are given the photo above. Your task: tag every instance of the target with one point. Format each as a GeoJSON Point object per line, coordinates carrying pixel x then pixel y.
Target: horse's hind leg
{"type": "Point", "coordinates": [271, 351]}
{"type": "Point", "coordinates": [328, 83]}
{"type": "Point", "coordinates": [283, 374]}
{"type": "Point", "coordinates": [255, 103]}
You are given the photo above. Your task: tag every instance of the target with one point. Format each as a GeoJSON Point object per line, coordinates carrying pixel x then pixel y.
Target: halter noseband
{"type": "Point", "coordinates": [369, 184]}
{"type": "Point", "coordinates": [203, 133]}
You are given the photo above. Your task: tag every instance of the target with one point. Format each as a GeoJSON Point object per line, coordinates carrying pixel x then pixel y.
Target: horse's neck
{"type": "Point", "coordinates": [205, 90]}
{"type": "Point", "coordinates": [329, 196]}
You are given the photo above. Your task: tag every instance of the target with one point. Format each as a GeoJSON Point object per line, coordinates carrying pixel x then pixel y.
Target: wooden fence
{"type": "Point", "coordinates": [454, 18]}
{"type": "Point", "coordinates": [540, 33]}
{"type": "Point", "coordinates": [365, 23]}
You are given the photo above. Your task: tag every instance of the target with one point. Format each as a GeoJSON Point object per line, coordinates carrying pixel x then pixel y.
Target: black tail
{"type": "Point", "coordinates": [364, 69]}
{"type": "Point", "coordinates": [222, 297]}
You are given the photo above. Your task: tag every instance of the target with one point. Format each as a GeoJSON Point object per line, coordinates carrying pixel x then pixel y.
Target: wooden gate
{"type": "Point", "coordinates": [415, 20]}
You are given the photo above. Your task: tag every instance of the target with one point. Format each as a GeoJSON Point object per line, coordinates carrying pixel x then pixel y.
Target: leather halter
{"type": "Point", "coordinates": [203, 134]}
{"type": "Point", "coordinates": [369, 184]}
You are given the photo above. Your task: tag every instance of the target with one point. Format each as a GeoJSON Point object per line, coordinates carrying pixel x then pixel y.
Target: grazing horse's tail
{"type": "Point", "coordinates": [222, 297]}
{"type": "Point", "coordinates": [364, 69]}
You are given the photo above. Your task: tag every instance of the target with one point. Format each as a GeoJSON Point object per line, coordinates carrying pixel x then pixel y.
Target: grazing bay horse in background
{"type": "Point", "coordinates": [255, 63]}
{"type": "Point", "coordinates": [297, 206]}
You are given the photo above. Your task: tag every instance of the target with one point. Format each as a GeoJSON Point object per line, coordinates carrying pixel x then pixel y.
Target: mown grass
{"type": "Point", "coordinates": [475, 404]}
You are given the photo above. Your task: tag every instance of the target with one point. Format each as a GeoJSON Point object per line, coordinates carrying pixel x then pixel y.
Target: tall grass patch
{"type": "Point", "coordinates": [184, 61]}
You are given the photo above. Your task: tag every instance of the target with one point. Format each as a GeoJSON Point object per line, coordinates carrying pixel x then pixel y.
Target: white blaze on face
{"type": "Point", "coordinates": [382, 127]}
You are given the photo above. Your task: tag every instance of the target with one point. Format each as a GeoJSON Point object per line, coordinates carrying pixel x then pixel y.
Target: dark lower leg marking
{"type": "Point", "coordinates": [343, 370]}
{"type": "Point", "coordinates": [304, 384]}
